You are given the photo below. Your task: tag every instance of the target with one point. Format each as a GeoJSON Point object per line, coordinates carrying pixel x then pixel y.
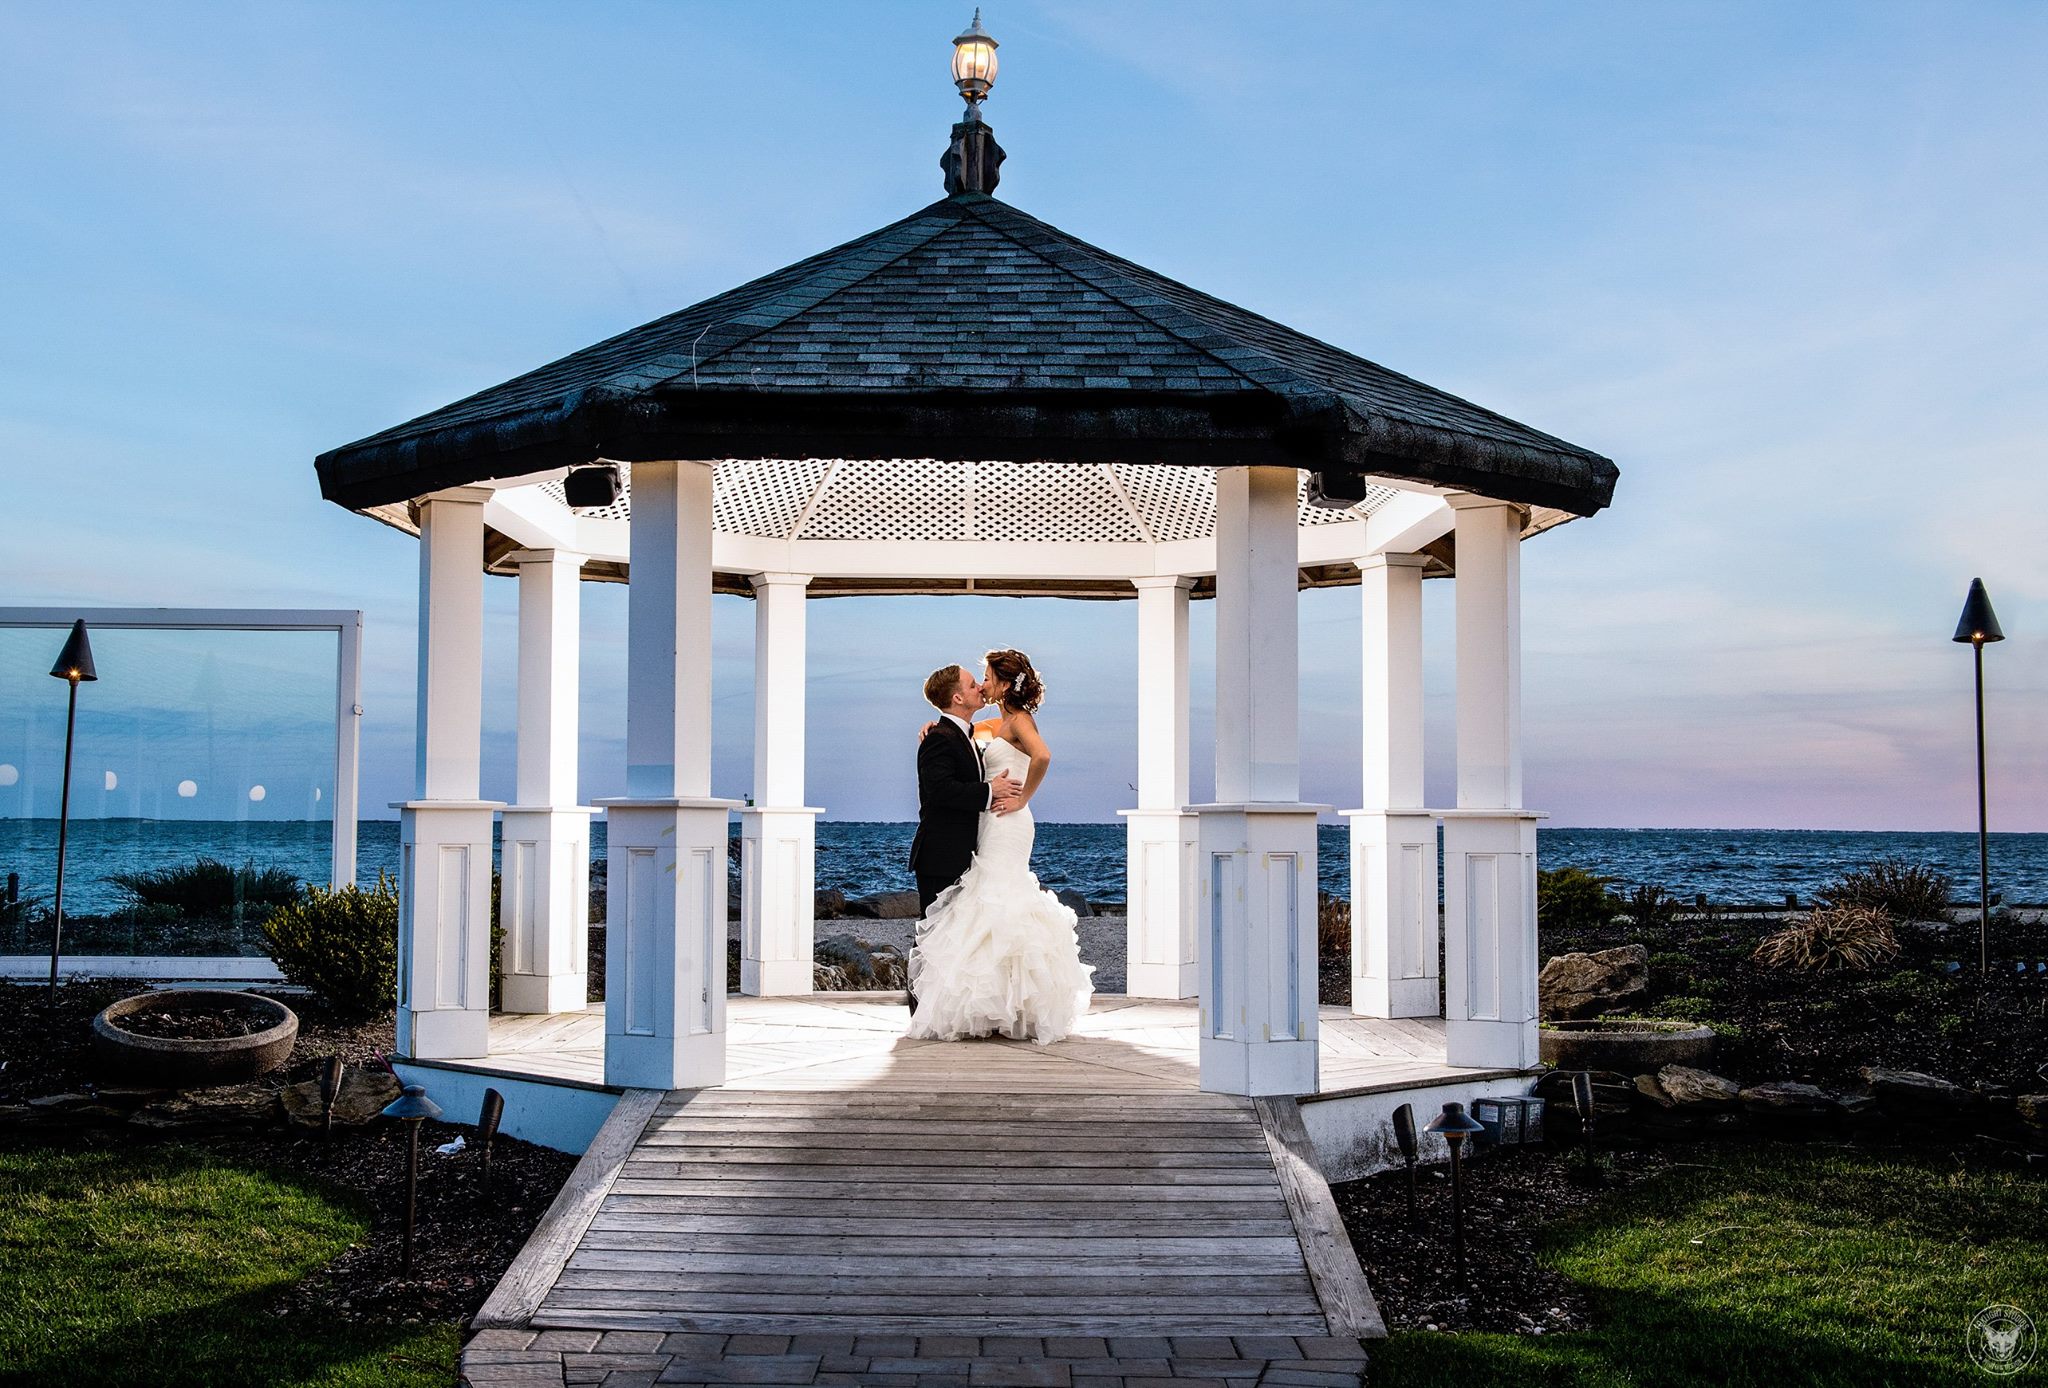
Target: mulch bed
{"type": "Point", "coordinates": [1510, 1195]}
{"type": "Point", "coordinates": [465, 1236]}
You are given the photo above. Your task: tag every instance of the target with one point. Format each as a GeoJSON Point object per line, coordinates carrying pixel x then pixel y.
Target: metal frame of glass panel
{"type": "Point", "coordinates": [347, 627]}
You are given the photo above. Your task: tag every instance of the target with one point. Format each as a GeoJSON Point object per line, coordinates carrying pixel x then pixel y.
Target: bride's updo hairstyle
{"type": "Point", "coordinates": [1025, 691]}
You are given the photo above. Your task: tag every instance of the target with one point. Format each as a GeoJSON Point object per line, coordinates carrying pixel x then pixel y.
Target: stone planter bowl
{"type": "Point", "coordinates": [1630, 1047]}
{"type": "Point", "coordinates": [171, 1063]}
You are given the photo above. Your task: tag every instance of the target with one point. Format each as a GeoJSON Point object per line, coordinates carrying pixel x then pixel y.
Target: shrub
{"type": "Point", "coordinates": [1572, 898]}
{"type": "Point", "coordinates": [1831, 937]}
{"type": "Point", "coordinates": [1901, 890]}
{"type": "Point", "coordinates": [1333, 926]}
{"type": "Point", "coordinates": [342, 945]}
{"type": "Point", "coordinates": [208, 889]}
{"type": "Point", "coordinates": [1650, 906]}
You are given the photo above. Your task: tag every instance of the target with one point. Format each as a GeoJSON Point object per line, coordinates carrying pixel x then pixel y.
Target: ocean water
{"type": "Point", "coordinates": [1729, 866]}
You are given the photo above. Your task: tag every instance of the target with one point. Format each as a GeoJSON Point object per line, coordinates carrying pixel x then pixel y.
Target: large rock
{"type": "Point", "coordinates": [1075, 902]}
{"type": "Point", "coordinates": [1573, 986]}
{"type": "Point", "coordinates": [364, 1093]}
{"type": "Point", "coordinates": [1791, 1101]}
{"type": "Point", "coordinates": [2032, 1111]}
{"type": "Point", "coordinates": [829, 904]}
{"type": "Point", "coordinates": [1681, 1087]}
{"type": "Point", "coordinates": [1911, 1095]}
{"type": "Point", "coordinates": [842, 963]}
{"type": "Point", "coordinates": [885, 906]}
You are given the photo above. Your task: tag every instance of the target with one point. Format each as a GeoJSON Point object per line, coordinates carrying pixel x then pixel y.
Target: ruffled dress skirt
{"type": "Point", "coordinates": [997, 954]}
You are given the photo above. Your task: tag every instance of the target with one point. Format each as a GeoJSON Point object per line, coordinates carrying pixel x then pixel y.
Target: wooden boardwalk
{"type": "Point", "coordinates": [848, 1185]}
{"type": "Point", "coordinates": [1056, 1213]}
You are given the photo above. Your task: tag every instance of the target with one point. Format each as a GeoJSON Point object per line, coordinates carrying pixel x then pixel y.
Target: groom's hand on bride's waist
{"type": "Point", "coordinates": [1004, 794]}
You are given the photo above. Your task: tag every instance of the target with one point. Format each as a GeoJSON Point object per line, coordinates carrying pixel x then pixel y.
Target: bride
{"type": "Point", "coordinates": [996, 953]}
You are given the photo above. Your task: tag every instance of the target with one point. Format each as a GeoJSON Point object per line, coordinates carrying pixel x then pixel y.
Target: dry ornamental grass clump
{"type": "Point", "coordinates": [1830, 938]}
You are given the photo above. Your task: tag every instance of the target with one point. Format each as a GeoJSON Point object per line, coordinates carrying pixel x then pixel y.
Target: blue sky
{"type": "Point", "coordinates": [1783, 263]}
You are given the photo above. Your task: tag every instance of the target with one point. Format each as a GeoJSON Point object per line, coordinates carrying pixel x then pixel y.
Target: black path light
{"type": "Point", "coordinates": [487, 1120]}
{"type": "Point", "coordinates": [1979, 627]}
{"type": "Point", "coordinates": [74, 667]}
{"type": "Point", "coordinates": [1588, 1105]}
{"type": "Point", "coordinates": [1454, 1125]}
{"type": "Point", "coordinates": [1404, 1135]}
{"type": "Point", "coordinates": [412, 1107]}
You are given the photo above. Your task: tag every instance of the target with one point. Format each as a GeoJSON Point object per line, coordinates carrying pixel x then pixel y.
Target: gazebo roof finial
{"type": "Point", "coordinates": [972, 159]}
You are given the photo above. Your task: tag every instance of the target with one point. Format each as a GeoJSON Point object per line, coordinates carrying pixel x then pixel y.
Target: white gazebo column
{"type": "Point", "coordinates": [1489, 840]}
{"type": "Point", "coordinates": [544, 886]}
{"type": "Point", "coordinates": [1161, 950]}
{"type": "Point", "coordinates": [444, 832]}
{"type": "Point", "coordinates": [1393, 839]}
{"type": "Point", "coordinates": [665, 972]}
{"type": "Point", "coordinates": [778, 833]}
{"type": "Point", "coordinates": [1256, 847]}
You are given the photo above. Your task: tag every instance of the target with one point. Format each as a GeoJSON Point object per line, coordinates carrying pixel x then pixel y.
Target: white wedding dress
{"type": "Point", "coordinates": [997, 953]}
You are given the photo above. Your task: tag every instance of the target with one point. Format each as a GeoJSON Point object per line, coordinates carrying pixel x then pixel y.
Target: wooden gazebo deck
{"type": "Point", "coordinates": [855, 1041]}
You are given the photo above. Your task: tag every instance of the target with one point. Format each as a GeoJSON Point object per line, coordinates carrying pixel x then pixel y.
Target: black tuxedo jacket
{"type": "Point", "coordinates": [950, 799]}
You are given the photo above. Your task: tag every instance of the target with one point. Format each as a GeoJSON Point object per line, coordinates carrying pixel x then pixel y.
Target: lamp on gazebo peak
{"type": "Point", "coordinates": [74, 666]}
{"type": "Point", "coordinates": [973, 157]}
{"type": "Point", "coordinates": [974, 64]}
{"type": "Point", "coordinates": [1979, 628]}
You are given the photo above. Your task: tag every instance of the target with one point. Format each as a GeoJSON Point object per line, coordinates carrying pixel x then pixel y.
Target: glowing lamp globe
{"type": "Point", "coordinates": [974, 61]}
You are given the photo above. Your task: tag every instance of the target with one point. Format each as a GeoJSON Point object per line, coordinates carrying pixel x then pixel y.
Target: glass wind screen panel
{"type": "Point", "coordinates": [193, 749]}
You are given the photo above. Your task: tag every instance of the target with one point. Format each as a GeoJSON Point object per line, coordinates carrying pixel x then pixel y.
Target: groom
{"type": "Point", "coordinates": [950, 791]}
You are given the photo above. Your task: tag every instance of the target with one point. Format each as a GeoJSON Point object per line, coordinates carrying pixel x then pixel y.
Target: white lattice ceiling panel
{"type": "Point", "coordinates": [902, 499]}
{"type": "Point", "coordinates": [1049, 502]}
{"type": "Point", "coordinates": [1177, 503]}
{"type": "Point", "coordinates": [764, 497]}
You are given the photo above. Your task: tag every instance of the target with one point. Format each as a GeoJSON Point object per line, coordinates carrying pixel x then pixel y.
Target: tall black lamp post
{"type": "Point", "coordinates": [74, 666]}
{"type": "Point", "coordinates": [1979, 627]}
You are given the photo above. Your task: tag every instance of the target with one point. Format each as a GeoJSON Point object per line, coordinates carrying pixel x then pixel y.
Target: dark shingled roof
{"type": "Point", "coordinates": [969, 331]}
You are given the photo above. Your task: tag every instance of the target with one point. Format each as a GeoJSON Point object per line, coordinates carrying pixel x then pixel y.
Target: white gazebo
{"type": "Point", "coordinates": [969, 401]}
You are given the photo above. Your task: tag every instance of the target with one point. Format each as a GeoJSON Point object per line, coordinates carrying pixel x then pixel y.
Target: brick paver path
{"type": "Point", "coordinates": [642, 1358]}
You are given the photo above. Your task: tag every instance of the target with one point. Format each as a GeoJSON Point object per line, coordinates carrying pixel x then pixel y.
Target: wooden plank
{"type": "Point", "coordinates": [934, 1192]}
{"type": "Point", "coordinates": [693, 1222]}
{"type": "Point", "coordinates": [982, 1247]}
{"type": "Point", "coordinates": [767, 1304]}
{"type": "Point", "coordinates": [1325, 1245]}
{"type": "Point", "coordinates": [729, 1324]}
{"type": "Point", "coordinates": [921, 1262]}
{"type": "Point", "coordinates": [525, 1283]}
{"type": "Point", "coordinates": [959, 1211]}
{"type": "Point", "coordinates": [1017, 1143]}
{"type": "Point", "coordinates": [918, 1160]}
{"type": "Point", "coordinates": [1001, 1178]}
{"type": "Point", "coordinates": [926, 1127]}
{"type": "Point", "coordinates": [694, 1282]}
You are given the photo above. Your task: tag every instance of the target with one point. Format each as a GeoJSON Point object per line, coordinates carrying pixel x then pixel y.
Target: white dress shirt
{"type": "Point", "coordinates": [961, 723]}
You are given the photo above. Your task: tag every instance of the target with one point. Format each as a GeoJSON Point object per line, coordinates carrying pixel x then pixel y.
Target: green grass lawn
{"type": "Point", "coordinates": [160, 1264]}
{"type": "Point", "coordinates": [1775, 1265]}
